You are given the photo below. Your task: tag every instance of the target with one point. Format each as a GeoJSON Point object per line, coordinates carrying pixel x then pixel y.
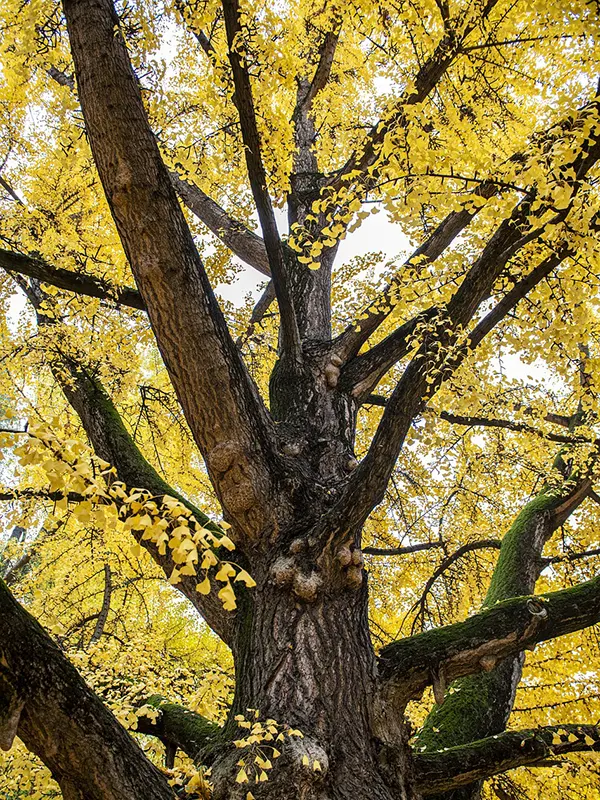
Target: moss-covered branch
{"type": "Point", "coordinates": [178, 727]}
{"type": "Point", "coordinates": [481, 641]}
{"type": "Point", "coordinates": [112, 441]}
{"type": "Point", "coordinates": [454, 767]}
{"type": "Point", "coordinates": [45, 702]}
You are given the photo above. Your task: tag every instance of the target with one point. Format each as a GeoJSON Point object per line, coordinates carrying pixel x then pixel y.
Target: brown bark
{"type": "Point", "coordinates": [201, 358]}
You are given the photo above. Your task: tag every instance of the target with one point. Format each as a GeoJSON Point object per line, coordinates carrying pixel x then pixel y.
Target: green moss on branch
{"type": "Point", "coordinates": [459, 766]}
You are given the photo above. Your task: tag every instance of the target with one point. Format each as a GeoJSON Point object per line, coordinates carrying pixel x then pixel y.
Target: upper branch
{"type": "Point", "coordinates": [428, 77]}
{"type": "Point", "coordinates": [459, 766]}
{"type": "Point", "coordinates": [323, 70]}
{"type": "Point", "coordinates": [78, 282]}
{"type": "Point", "coordinates": [407, 666]}
{"type": "Point", "coordinates": [442, 350]}
{"type": "Point", "coordinates": [401, 551]}
{"type": "Point", "coordinates": [441, 238]}
{"type": "Point", "coordinates": [219, 399]}
{"type": "Point", "coordinates": [245, 244]}
{"type": "Point", "coordinates": [258, 180]}
{"type": "Point", "coordinates": [507, 424]}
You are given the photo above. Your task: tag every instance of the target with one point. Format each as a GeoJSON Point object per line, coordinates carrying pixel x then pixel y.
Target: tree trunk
{"type": "Point", "coordinates": [310, 666]}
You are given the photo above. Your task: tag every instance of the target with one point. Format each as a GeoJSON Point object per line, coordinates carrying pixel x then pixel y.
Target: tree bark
{"type": "Point", "coordinates": [311, 666]}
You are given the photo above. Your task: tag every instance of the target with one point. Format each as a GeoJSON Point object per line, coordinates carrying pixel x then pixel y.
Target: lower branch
{"type": "Point", "coordinates": [481, 641]}
{"type": "Point", "coordinates": [178, 727]}
{"type": "Point", "coordinates": [458, 766]}
{"type": "Point", "coordinates": [78, 282]}
{"type": "Point", "coordinates": [45, 702]}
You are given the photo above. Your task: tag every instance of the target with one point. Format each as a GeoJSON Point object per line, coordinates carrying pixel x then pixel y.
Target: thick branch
{"type": "Point", "coordinates": [78, 282]}
{"type": "Point", "coordinates": [219, 399]}
{"type": "Point", "coordinates": [462, 765]}
{"type": "Point", "coordinates": [113, 443]}
{"type": "Point", "coordinates": [409, 665]}
{"type": "Point", "coordinates": [47, 704]}
{"type": "Point", "coordinates": [323, 70]}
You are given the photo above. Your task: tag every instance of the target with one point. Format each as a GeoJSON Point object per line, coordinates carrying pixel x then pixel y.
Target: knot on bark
{"type": "Point", "coordinates": [332, 371]}
{"type": "Point", "coordinates": [351, 561]}
{"type": "Point", "coordinates": [304, 583]}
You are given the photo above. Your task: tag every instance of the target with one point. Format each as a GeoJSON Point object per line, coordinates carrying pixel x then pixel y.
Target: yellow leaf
{"type": "Point", "coordinates": [241, 777]}
{"type": "Point", "coordinates": [246, 578]}
{"type": "Point", "coordinates": [227, 597]}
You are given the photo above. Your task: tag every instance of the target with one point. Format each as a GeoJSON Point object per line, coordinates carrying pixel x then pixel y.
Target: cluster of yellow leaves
{"type": "Point", "coordinates": [259, 753]}
{"type": "Point", "coordinates": [70, 469]}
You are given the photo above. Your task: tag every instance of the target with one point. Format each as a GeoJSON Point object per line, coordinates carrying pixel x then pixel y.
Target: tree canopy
{"type": "Point", "coordinates": [288, 512]}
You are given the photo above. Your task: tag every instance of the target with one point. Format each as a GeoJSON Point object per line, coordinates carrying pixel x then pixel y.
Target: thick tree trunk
{"type": "Point", "coordinates": [311, 666]}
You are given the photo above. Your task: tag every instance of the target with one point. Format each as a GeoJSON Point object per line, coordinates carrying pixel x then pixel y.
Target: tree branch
{"type": "Point", "coordinates": [104, 611]}
{"type": "Point", "coordinates": [113, 443]}
{"type": "Point", "coordinates": [571, 556]}
{"type": "Point", "coordinates": [258, 312]}
{"type": "Point", "coordinates": [447, 562]}
{"type": "Point", "coordinates": [401, 551]}
{"type": "Point", "coordinates": [440, 353]}
{"type": "Point", "coordinates": [458, 766]}
{"type": "Point", "coordinates": [428, 77]}
{"type": "Point", "coordinates": [47, 704]}
{"type": "Point", "coordinates": [441, 238]}
{"type": "Point", "coordinates": [518, 427]}
{"type": "Point", "coordinates": [407, 666]}
{"type": "Point", "coordinates": [179, 727]}
{"type": "Point", "coordinates": [290, 335]}
{"type": "Point", "coordinates": [78, 282]}
{"type": "Point", "coordinates": [219, 399]}
{"type": "Point", "coordinates": [245, 244]}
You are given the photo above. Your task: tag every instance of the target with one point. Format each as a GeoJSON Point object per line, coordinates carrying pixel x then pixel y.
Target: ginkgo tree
{"type": "Point", "coordinates": [298, 546]}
